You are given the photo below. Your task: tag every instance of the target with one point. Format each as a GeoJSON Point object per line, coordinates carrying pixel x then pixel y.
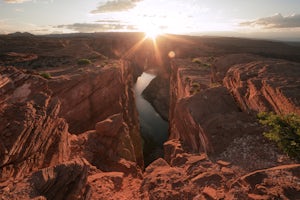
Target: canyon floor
{"type": "Point", "coordinates": [69, 126]}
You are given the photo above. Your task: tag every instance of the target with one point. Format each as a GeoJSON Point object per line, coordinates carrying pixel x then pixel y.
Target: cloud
{"type": "Point", "coordinates": [16, 1]}
{"type": "Point", "coordinates": [23, 1]}
{"type": "Point", "coordinates": [108, 21]}
{"type": "Point", "coordinates": [115, 6]}
{"type": "Point", "coordinates": [19, 10]}
{"type": "Point", "coordinates": [96, 27]}
{"type": "Point", "coordinates": [275, 21]}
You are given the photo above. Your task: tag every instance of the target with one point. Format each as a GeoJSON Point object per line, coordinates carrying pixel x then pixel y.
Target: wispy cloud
{"type": "Point", "coordinates": [19, 10]}
{"type": "Point", "coordinates": [16, 1]}
{"type": "Point", "coordinates": [96, 27]}
{"type": "Point", "coordinates": [275, 21]}
{"type": "Point", "coordinates": [23, 1]}
{"type": "Point", "coordinates": [115, 6]}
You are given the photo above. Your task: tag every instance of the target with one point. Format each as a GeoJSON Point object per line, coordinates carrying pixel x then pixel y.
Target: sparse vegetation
{"type": "Point", "coordinates": [200, 63]}
{"type": "Point", "coordinates": [46, 75]}
{"type": "Point", "coordinates": [195, 85]}
{"type": "Point", "coordinates": [211, 58]}
{"type": "Point", "coordinates": [205, 65]}
{"type": "Point", "coordinates": [195, 88]}
{"type": "Point", "coordinates": [84, 61]}
{"type": "Point", "coordinates": [197, 60]}
{"type": "Point", "coordinates": [284, 130]}
{"type": "Point", "coordinates": [215, 84]}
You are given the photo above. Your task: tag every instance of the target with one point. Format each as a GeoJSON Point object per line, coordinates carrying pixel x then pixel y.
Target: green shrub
{"type": "Point", "coordinates": [210, 59]}
{"type": "Point", "coordinates": [84, 61]}
{"type": "Point", "coordinates": [195, 85]}
{"type": "Point", "coordinates": [194, 91]}
{"type": "Point", "coordinates": [205, 65]}
{"type": "Point", "coordinates": [200, 63]}
{"type": "Point", "coordinates": [284, 130]}
{"type": "Point", "coordinates": [195, 88]}
{"type": "Point", "coordinates": [215, 84]}
{"type": "Point", "coordinates": [45, 75]}
{"type": "Point", "coordinates": [197, 60]}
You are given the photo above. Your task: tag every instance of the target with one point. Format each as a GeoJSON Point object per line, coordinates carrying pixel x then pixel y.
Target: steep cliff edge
{"type": "Point", "coordinates": [157, 93]}
{"type": "Point", "coordinates": [32, 135]}
{"type": "Point", "coordinates": [216, 147]}
{"type": "Point", "coordinates": [41, 159]}
{"type": "Point", "coordinates": [93, 94]}
{"type": "Point", "coordinates": [271, 85]}
{"type": "Point", "coordinates": [205, 117]}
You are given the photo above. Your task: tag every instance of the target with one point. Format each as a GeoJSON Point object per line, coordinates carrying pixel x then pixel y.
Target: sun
{"type": "Point", "coordinates": [151, 35]}
{"type": "Point", "coordinates": [152, 32]}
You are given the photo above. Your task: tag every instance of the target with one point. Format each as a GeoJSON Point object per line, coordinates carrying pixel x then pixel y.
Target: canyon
{"type": "Point", "coordinates": [72, 131]}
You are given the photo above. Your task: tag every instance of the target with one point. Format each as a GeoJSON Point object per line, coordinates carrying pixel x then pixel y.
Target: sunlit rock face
{"type": "Point", "coordinates": [32, 134]}
{"type": "Point", "coordinates": [95, 95]}
{"type": "Point", "coordinates": [271, 85]}
{"type": "Point", "coordinates": [37, 148]}
{"type": "Point", "coordinates": [210, 120]}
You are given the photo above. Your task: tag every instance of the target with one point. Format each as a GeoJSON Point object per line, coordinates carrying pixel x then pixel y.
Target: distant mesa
{"type": "Point", "coordinates": [21, 34]}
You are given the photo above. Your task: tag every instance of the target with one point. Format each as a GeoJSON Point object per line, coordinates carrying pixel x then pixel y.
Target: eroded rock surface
{"type": "Point", "coordinates": [195, 176]}
{"type": "Point", "coordinates": [266, 86]}
{"type": "Point", "coordinates": [90, 97]}
{"type": "Point", "coordinates": [32, 134]}
{"type": "Point", "coordinates": [207, 118]}
{"type": "Point", "coordinates": [40, 159]}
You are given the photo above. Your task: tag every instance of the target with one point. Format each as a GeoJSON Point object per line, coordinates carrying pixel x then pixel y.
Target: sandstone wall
{"type": "Point", "coordinates": [92, 95]}
{"type": "Point", "coordinates": [32, 135]}
{"type": "Point", "coordinates": [271, 85]}
{"type": "Point", "coordinates": [206, 118]}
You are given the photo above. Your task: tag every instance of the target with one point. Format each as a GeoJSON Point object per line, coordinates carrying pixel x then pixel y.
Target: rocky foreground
{"type": "Point", "coordinates": [75, 134]}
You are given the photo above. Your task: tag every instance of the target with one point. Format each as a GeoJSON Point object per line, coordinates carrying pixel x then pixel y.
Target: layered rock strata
{"type": "Point", "coordinates": [40, 159]}
{"type": "Point", "coordinates": [206, 118]}
{"type": "Point", "coordinates": [271, 85]}
{"type": "Point", "coordinates": [32, 134]}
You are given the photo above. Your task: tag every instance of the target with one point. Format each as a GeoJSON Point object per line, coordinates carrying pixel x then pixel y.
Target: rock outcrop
{"type": "Point", "coordinates": [206, 118]}
{"type": "Point", "coordinates": [90, 98]}
{"type": "Point", "coordinates": [221, 64]}
{"type": "Point", "coordinates": [32, 135]}
{"type": "Point", "coordinates": [63, 181]}
{"type": "Point", "coordinates": [195, 176]}
{"type": "Point", "coordinates": [40, 159]}
{"type": "Point", "coordinates": [271, 85]}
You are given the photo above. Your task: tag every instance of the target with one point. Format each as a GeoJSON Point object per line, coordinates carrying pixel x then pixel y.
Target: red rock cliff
{"type": "Point", "coordinates": [32, 135]}
{"type": "Point", "coordinates": [39, 157]}
{"type": "Point", "coordinates": [271, 85]}
{"type": "Point", "coordinates": [90, 95]}
{"type": "Point", "coordinates": [205, 117]}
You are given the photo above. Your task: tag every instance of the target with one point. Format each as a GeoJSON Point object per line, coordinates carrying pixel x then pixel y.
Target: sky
{"type": "Point", "coordinates": [270, 19]}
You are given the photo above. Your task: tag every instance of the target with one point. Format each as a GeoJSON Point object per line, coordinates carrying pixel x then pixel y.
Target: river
{"type": "Point", "coordinates": [154, 129]}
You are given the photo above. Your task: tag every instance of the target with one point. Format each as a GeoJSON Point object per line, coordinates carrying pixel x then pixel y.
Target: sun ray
{"type": "Point", "coordinates": [157, 53]}
{"type": "Point", "coordinates": [133, 49]}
